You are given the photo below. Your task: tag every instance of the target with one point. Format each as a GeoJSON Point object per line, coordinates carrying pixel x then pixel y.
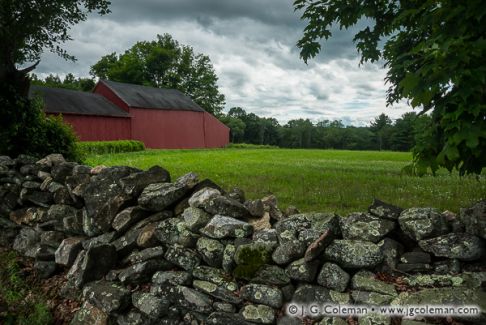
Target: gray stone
{"type": "Point", "coordinates": [225, 206]}
{"type": "Point", "coordinates": [108, 296]}
{"type": "Point", "coordinates": [172, 278]}
{"type": "Point", "coordinates": [422, 223]}
{"type": "Point", "coordinates": [211, 251]}
{"type": "Point", "coordinates": [366, 281]}
{"type": "Point", "coordinates": [215, 276]}
{"type": "Point", "coordinates": [202, 197]}
{"type": "Point", "coordinates": [271, 275]}
{"type": "Point", "coordinates": [255, 208]}
{"type": "Point", "coordinates": [26, 240]}
{"type": "Point", "coordinates": [153, 307]}
{"type": "Point", "coordinates": [224, 227]}
{"type": "Point", "coordinates": [316, 221]}
{"type": "Point", "coordinates": [185, 258]}
{"type": "Point", "coordinates": [474, 219]}
{"type": "Point", "coordinates": [159, 196]}
{"type": "Point", "coordinates": [414, 268]}
{"type": "Point", "coordinates": [224, 307]}
{"type": "Point", "coordinates": [89, 315]}
{"type": "Point", "coordinates": [288, 251]}
{"type": "Point", "coordinates": [73, 224]}
{"type": "Point", "coordinates": [302, 271]}
{"type": "Point", "coordinates": [374, 319]}
{"type": "Point", "coordinates": [62, 170]}
{"type": "Point", "coordinates": [391, 250]}
{"type": "Point", "coordinates": [93, 264]}
{"type": "Point", "coordinates": [216, 291]}
{"type": "Point", "coordinates": [98, 240]}
{"type": "Point", "coordinates": [332, 321]}
{"type": "Point", "coordinates": [258, 314]}
{"type": "Point", "coordinates": [262, 294]}
{"type": "Point", "coordinates": [127, 218]}
{"type": "Point", "coordinates": [190, 299]}
{"type": "Point", "coordinates": [142, 272]}
{"type": "Point", "coordinates": [309, 293]}
{"type": "Point", "coordinates": [415, 257]}
{"type": "Point", "coordinates": [144, 255]}
{"type": "Point", "coordinates": [147, 236]}
{"type": "Point", "coordinates": [229, 263]}
{"type": "Point", "coordinates": [69, 249]}
{"type": "Point", "coordinates": [134, 183]}
{"type": "Point", "coordinates": [60, 211]}
{"type": "Point", "coordinates": [44, 252]}
{"type": "Point", "coordinates": [195, 218]}
{"type": "Point", "coordinates": [365, 227]}
{"type": "Point", "coordinates": [463, 246]}
{"type": "Point", "coordinates": [354, 254]}
{"type": "Point", "coordinates": [267, 236]}
{"type": "Point", "coordinates": [384, 210]}
{"type": "Point", "coordinates": [174, 231]}
{"type": "Point", "coordinates": [333, 277]}
{"type": "Point", "coordinates": [29, 216]}
{"type": "Point", "coordinates": [52, 237]}
{"type": "Point", "coordinates": [225, 318]}
{"type": "Point", "coordinates": [371, 298]}
{"type": "Point", "coordinates": [133, 317]}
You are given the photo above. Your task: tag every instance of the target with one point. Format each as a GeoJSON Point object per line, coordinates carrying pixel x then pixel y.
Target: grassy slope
{"type": "Point", "coordinates": [312, 180]}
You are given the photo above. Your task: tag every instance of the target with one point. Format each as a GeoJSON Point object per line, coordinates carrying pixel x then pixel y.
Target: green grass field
{"type": "Point", "coordinates": [312, 180]}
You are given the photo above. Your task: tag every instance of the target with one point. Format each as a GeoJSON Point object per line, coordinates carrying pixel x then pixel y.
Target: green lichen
{"type": "Point", "coordinates": [250, 258]}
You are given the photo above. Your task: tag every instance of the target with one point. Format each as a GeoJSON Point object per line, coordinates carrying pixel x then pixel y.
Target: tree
{"type": "Point", "coordinates": [69, 82]}
{"type": "Point", "coordinates": [237, 127]}
{"type": "Point", "coordinates": [435, 52]}
{"type": "Point", "coordinates": [165, 63]}
{"type": "Point", "coordinates": [27, 28]}
{"type": "Point", "coordinates": [381, 127]}
{"type": "Point", "coordinates": [403, 135]}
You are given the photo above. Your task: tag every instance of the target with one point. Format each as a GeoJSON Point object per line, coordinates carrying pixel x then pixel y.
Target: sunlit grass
{"type": "Point", "coordinates": [313, 180]}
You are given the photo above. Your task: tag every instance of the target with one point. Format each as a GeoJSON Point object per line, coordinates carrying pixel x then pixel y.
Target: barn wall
{"type": "Point", "coordinates": [168, 129]}
{"type": "Point", "coordinates": [99, 128]}
{"type": "Point", "coordinates": [109, 94]}
{"type": "Point", "coordinates": [216, 133]}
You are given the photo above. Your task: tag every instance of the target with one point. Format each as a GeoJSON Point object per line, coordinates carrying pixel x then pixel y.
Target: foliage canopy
{"type": "Point", "coordinates": [435, 52]}
{"type": "Point", "coordinates": [165, 63]}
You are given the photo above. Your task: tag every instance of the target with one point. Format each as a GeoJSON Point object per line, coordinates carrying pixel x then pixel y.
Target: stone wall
{"type": "Point", "coordinates": [140, 248]}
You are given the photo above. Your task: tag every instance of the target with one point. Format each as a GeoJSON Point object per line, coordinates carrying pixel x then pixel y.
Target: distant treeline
{"type": "Point", "coordinates": [382, 134]}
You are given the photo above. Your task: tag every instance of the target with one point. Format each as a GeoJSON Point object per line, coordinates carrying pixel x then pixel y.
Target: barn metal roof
{"type": "Point", "coordinates": [66, 101]}
{"type": "Point", "coordinates": [149, 97]}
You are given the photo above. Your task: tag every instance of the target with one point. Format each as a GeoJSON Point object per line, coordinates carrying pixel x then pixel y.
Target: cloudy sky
{"type": "Point", "coordinates": [251, 44]}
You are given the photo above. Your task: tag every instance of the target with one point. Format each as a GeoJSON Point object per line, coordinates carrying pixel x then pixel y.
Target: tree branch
{"type": "Point", "coordinates": [29, 69]}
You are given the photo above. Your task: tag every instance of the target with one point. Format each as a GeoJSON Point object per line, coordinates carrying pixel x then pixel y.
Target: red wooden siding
{"type": "Point", "coordinates": [109, 94]}
{"type": "Point", "coordinates": [215, 132]}
{"type": "Point", "coordinates": [168, 129]}
{"type": "Point", "coordinates": [99, 128]}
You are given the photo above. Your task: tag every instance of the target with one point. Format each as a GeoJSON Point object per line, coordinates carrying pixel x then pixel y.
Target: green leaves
{"type": "Point", "coordinates": [435, 52]}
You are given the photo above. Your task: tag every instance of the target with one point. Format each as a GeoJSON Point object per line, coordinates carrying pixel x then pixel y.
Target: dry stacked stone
{"type": "Point", "coordinates": [139, 247]}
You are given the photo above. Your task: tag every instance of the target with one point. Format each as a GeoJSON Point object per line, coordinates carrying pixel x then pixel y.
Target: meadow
{"type": "Point", "coordinates": [313, 180]}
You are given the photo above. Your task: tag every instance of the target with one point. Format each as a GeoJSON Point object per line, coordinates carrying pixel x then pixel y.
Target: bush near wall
{"type": "Point", "coordinates": [103, 147]}
{"type": "Point", "coordinates": [250, 146]}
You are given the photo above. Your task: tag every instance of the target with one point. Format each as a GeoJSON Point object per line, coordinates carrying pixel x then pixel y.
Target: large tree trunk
{"type": "Point", "coordinates": [17, 80]}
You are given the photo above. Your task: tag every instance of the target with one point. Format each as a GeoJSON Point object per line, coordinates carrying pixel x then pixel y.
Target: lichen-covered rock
{"type": "Point", "coordinates": [316, 221]}
{"type": "Point", "coordinates": [384, 210]}
{"type": "Point", "coordinates": [215, 276]}
{"type": "Point", "coordinates": [147, 237]}
{"type": "Point", "coordinates": [366, 281]}
{"type": "Point", "coordinates": [68, 250]}
{"type": "Point", "coordinates": [288, 251]}
{"type": "Point", "coordinates": [371, 298]}
{"type": "Point", "coordinates": [127, 218]}
{"type": "Point", "coordinates": [354, 254]}
{"type": "Point", "coordinates": [108, 296]}
{"type": "Point", "coordinates": [262, 294]}
{"type": "Point", "coordinates": [159, 196]}
{"type": "Point", "coordinates": [224, 318]}
{"type": "Point", "coordinates": [89, 315]}
{"type": "Point", "coordinates": [364, 226]}
{"type": "Point", "coordinates": [172, 278]}
{"type": "Point", "coordinates": [134, 183]}
{"type": "Point", "coordinates": [249, 258]}
{"type": "Point", "coordinates": [29, 216]}
{"type": "Point", "coordinates": [391, 250]}
{"type": "Point", "coordinates": [223, 227]}
{"type": "Point", "coordinates": [271, 275]}
{"type": "Point", "coordinates": [228, 263]}
{"type": "Point", "coordinates": [26, 240]}
{"type": "Point", "coordinates": [185, 258]}
{"type": "Point", "coordinates": [255, 208]}
{"type": "Point", "coordinates": [144, 255]}
{"type": "Point", "coordinates": [374, 319]}
{"type": "Point", "coordinates": [309, 293]}
{"type": "Point", "coordinates": [195, 218]}
{"type": "Point", "coordinates": [415, 257]}
{"type": "Point", "coordinates": [190, 299]}
{"type": "Point", "coordinates": [302, 271]}
{"type": "Point", "coordinates": [266, 236]}
{"type": "Point", "coordinates": [216, 291]}
{"type": "Point", "coordinates": [153, 307]}
{"type": "Point", "coordinates": [474, 219]}
{"type": "Point", "coordinates": [463, 246]}
{"type": "Point", "coordinates": [222, 205]}
{"type": "Point", "coordinates": [143, 271]}
{"type": "Point", "coordinates": [203, 196]}
{"type": "Point", "coordinates": [44, 269]}
{"type": "Point", "coordinates": [174, 231]}
{"type": "Point", "coordinates": [258, 314]}
{"type": "Point", "coordinates": [211, 251]}
{"type": "Point", "coordinates": [133, 317]}
{"type": "Point", "coordinates": [421, 223]}
{"type": "Point", "coordinates": [333, 277]}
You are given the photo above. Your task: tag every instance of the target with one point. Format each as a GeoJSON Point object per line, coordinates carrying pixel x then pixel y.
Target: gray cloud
{"type": "Point", "coordinates": [252, 47]}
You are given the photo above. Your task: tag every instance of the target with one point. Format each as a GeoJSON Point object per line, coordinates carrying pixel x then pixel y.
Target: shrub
{"type": "Point", "coordinates": [250, 146]}
{"type": "Point", "coordinates": [104, 147]}
{"type": "Point", "coordinates": [25, 129]}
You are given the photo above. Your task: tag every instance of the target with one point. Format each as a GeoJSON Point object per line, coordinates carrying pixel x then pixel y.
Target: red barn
{"type": "Point", "coordinates": [160, 118]}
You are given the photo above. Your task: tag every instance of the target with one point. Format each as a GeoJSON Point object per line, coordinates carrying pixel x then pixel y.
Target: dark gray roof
{"type": "Point", "coordinates": [150, 97]}
{"type": "Point", "coordinates": [66, 101]}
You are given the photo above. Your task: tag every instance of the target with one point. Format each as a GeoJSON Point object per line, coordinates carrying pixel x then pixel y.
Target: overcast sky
{"type": "Point", "coordinates": [251, 44]}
